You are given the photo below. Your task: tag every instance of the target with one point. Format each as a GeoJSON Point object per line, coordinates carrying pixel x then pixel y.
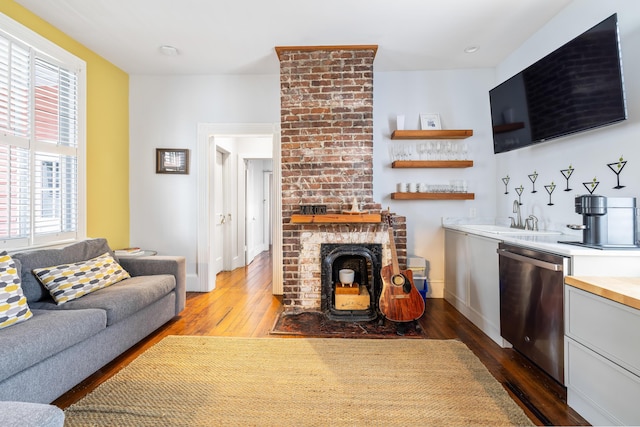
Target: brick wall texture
{"type": "Point", "coordinates": [326, 98]}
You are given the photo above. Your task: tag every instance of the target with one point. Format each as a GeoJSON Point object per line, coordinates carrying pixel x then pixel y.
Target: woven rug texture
{"type": "Point", "coordinates": [210, 381]}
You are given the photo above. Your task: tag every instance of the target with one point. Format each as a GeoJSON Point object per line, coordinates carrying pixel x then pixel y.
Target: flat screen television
{"type": "Point", "coordinates": [577, 87]}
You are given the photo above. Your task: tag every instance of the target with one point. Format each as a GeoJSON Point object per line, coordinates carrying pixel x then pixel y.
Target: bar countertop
{"type": "Point", "coordinates": [624, 290]}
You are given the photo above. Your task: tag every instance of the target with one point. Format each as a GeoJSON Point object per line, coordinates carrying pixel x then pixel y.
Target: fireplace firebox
{"type": "Point", "coordinates": [358, 302]}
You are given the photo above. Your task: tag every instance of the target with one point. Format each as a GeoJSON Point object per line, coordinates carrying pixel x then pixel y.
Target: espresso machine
{"type": "Point", "coordinates": [607, 222]}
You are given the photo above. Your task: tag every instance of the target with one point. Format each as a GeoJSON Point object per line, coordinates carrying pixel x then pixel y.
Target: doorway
{"type": "Point", "coordinates": [233, 139]}
{"type": "Point", "coordinates": [257, 202]}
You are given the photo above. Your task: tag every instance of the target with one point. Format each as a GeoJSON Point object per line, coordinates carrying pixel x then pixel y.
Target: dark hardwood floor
{"type": "Point", "coordinates": [242, 305]}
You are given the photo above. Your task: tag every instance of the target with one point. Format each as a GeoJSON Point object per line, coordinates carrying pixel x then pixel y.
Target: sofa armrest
{"type": "Point", "coordinates": [149, 266]}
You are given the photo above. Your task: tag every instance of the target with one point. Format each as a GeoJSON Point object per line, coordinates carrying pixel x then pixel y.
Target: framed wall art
{"type": "Point", "coordinates": [172, 160]}
{"type": "Point", "coordinates": [430, 121]}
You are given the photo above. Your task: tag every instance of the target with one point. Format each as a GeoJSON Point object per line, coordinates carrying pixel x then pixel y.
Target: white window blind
{"type": "Point", "coordinates": [15, 88]}
{"type": "Point", "coordinates": [41, 145]}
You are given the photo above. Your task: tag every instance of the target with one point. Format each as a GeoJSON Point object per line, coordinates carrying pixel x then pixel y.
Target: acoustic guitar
{"type": "Point", "coordinates": [399, 301]}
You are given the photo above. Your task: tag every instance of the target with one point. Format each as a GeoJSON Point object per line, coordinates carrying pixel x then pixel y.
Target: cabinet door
{"type": "Point", "coordinates": [456, 269]}
{"type": "Point", "coordinates": [606, 327]}
{"type": "Point", "coordinates": [484, 286]}
{"type": "Point", "coordinates": [600, 390]}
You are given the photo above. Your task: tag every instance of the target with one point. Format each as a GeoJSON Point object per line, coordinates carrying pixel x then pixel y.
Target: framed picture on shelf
{"type": "Point", "coordinates": [430, 121]}
{"type": "Point", "coordinates": [172, 160]}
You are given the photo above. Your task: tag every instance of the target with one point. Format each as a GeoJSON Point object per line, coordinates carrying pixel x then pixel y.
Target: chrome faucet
{"type": "Point", "coordinates": [531, 223]}
{"type": "Point", "coordinates": [516, 210]}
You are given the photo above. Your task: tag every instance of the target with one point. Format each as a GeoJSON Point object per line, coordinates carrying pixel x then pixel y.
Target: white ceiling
{"type": "Point", "coordinates": [239, 36]}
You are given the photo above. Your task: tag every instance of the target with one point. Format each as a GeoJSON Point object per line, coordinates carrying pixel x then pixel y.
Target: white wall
{"type": "Point", "coordinates": [589, 152]}
{"type": "Point", "coordinates": [164, 113]}
{"type": "Point", "coordinates": [461, 98]}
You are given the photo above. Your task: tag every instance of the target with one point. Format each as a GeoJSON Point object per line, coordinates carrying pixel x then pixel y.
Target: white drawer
{"type": "Point", "coordinates": [607, 327]}
{"type": "Point", "coordinates": [599, 390]}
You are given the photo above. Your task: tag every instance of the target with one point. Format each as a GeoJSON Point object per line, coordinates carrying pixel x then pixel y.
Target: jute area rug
{"type": "Point", "coordinates": [209, 381]}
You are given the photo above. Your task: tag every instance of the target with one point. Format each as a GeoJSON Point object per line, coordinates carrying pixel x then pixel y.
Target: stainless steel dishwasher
{"type": "Point", "coordinates": [532, 305]}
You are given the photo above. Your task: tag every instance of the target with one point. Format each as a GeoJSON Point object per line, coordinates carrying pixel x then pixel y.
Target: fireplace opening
{"type": "Point", "coordinates": [357, 301]}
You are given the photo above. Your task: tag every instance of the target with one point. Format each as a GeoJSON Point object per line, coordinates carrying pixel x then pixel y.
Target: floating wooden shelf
{"type": "Point", "coordinates": [432, 134]}
{"type": "Point", "coordinates": [508, 127]}
{"type": "Point", "coordinates": [401, 164]}
{"type": "Point", "coordinates": [336, 219]}
{"type": "Point", "coordinates": [433, 196]}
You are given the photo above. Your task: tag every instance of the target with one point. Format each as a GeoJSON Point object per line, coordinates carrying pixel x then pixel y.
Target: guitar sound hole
{"type": "Point", "coordinates": [398, 280]}
{"type": "Point", "coordinates": [401, 280]}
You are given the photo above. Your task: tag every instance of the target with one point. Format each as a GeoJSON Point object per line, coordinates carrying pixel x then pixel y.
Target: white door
{"type": "Point", "coordinates": [266, 208]}
{"type": "Point", "coordinates": [250, 212]}
{"type": "Point", "coordinates": [219, 215]}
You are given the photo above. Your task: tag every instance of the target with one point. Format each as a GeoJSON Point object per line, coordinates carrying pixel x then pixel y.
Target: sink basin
{"type": "Point", "coordinates": [500, 229]}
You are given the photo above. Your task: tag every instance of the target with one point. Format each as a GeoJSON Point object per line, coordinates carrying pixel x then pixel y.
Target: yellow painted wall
{"type": "Point", "coordinates": [107, 132]}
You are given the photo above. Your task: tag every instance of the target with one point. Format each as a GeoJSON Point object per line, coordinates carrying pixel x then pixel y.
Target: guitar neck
{"type": "Point", "coordinates": [394, 256]}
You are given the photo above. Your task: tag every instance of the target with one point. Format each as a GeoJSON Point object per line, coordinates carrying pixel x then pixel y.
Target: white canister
{"type": "Point", "coordinates": [401, 187]}
{"type": "Point", "coordinates": [346, 276]}
{"type": "Point", "coordinates": [413, 187]}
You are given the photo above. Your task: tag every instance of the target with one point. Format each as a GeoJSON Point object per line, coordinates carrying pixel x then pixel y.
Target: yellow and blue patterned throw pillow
{"type": "Point", "coordinates": [67, 282]}
{"type": "Point", "coordinates": [13, 303]}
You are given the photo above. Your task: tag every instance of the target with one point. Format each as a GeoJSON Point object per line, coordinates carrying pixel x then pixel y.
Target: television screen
{"type": "Point", "coordinates": [575, 88]}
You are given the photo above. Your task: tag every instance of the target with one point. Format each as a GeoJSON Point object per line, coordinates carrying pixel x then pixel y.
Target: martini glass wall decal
{"type": "Point", "coordinates": [591, 185]}
{"type": "Point", "coordinates": [519, 191]}
{"type": "Point", "coordinates": [617, 167]}
{"type": "Point", "coordinates": [567, 173]}
{"type": "Point", "coordinates": [533, 178]}
{"type": "Point", "coordinates": [505, 180]}
{"type": "Point", "coordinates": [550, 189]}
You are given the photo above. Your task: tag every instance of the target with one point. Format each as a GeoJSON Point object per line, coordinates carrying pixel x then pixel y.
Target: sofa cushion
{"type": "Point", "coordinates": [67, 282]}
{"type": "Point", "coordinates": [27, 414]}
{"type": "Point", "coordinates": [81, 251]}
{"type": "Point", "coordinates": [122, 299]}
{"type": "Point", "coordinates": [47, 333]}
{"type": "Point", "coordinates": [13, 303]}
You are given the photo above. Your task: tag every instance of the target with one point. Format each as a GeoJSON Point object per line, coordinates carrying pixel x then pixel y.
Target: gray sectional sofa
{"type": "Point", "coordinates": [62, 344]}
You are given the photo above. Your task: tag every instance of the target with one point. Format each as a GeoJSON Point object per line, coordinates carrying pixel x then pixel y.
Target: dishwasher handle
{"type": "Point", "coordinates": [537, 262]}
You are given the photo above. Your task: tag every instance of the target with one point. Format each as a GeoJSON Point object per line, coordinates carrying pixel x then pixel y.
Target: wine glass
{"type": "Point", "coordinates": [533, 178]}
{"type": "Point", "coordinates": [409, 151]}
{"type": "Point", "coordinates": [550, 189]}
{"type": "Point", "coordinates": [464, 155]}
{"type": "Point", "coordinates": [617, 167]}
{"type": "Point", "coordinates": [422, 150]}
{"type": "Point", "coordinates": [505, 180]}
{"type": "Point", "coordinates": [591, 185]}
{"type": "Point", "coordinates": [567, 173]}
{"type": "Point", "coordinates": [519, 190]}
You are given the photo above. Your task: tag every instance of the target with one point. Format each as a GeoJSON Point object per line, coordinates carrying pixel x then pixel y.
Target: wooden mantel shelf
{"type": "Point", "coordinates": [336, 219]}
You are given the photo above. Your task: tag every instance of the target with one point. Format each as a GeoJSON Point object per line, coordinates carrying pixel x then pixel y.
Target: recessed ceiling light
{"type": "Point", "coordinates": [471, 49]}
{"type": "Point", "coordinates": [168, 50]}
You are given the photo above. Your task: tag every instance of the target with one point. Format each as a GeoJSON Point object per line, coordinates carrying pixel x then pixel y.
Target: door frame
{"type": "Point", "coordinates": [206, 154]}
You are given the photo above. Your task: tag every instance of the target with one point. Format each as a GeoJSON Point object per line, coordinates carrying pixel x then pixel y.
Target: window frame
{"type": "Point", "coordinates": [55, 55]}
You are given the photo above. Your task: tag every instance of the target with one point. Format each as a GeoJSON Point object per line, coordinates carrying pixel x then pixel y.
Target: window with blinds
{"type": "Point", "coordinates": [40, 143]}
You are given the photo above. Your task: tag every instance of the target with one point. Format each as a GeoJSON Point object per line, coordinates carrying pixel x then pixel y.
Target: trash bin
{"type": "Point", "coordinates": [418, 267]}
